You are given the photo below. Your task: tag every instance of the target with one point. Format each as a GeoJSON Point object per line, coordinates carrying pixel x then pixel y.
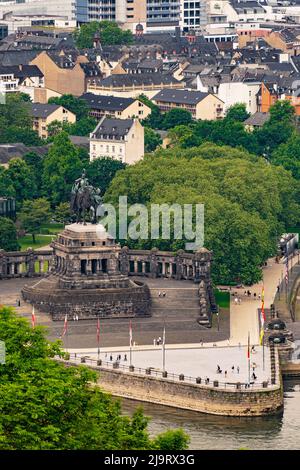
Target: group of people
{"type": "Point", "coordinates": [162, 294]}
{"type": "Point", "coordinates": [157, 341]}
{"type": "Point", "coordinates": [76, 317]}
{"type": "Point", "coordinates": [248, 293]}
{"type": "Point", "coordinates": [219, 370]}
{"type": "Point", "coordinates": [119, 357]}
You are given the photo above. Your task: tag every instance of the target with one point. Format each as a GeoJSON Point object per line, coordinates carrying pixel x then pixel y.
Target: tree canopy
{"type": "Point", "coordinates": [8, 235]}
{"type": "Point", "coordinates": [248, 202]}
{"type": "Point", "coordinates": [110, 33]}
{"type": "Point", "coordinates": [47, 406]}
{"type": "Point", "coordinates": [16, 121]}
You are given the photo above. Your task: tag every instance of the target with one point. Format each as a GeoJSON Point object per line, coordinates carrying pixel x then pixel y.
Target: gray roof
{"type": "Point", "coordinates": [180, 96]}
{"type": "Point", "coordinates": [257, 119]}
{"type": "Point", "coordinates": [113, 129]}
{"type": "Point", "coordinates": [40, 110]}
{"type": "Point", "coordinates": [106, 103]}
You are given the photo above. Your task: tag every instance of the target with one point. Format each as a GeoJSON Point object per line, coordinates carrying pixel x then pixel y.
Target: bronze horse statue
{"type": "Point", "coordinates": [82, 203]}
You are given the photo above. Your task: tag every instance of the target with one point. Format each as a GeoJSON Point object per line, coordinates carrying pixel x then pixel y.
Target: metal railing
{"type": "Point", "coordinates": [157, 373]}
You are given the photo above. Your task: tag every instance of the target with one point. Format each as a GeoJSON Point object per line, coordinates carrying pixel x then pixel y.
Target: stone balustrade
{"type": "Point", "coordinates": [28, 263]}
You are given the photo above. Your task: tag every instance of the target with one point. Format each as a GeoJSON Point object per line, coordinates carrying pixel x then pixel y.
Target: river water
{"type": "Point", "coordinates": [218, 432]}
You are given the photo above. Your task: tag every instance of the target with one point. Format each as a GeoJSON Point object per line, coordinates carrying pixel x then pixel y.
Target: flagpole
{"type": "Point", "coordinates": [33, 317]}
{"type": "Point", "coordinates": [164, 348]}
{"type": "Point", "coordinates": [98, 337]}
{"type": "Point", "coordinates": [130, 343]}
{"type": "Point", "coordinates": [249, 358]}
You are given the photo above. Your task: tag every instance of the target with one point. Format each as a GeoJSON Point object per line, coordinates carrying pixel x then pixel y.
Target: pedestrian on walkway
{"type": "Point", "coordinates": [110, 358]}
{"type": "Point", "coordinates": [236, 301]}
{"type": "Point", "coordinates": [125, 357]}
{"type": "Point", "coordinates": [77, 317]}
{"type": "Point", "coordinates": [232, 368]}
{"type": "Point", "coordinates": [159, 294]}
{"type": "Point", "coordinates": [225, 373]}
{"type": "Point", "coordinates": [238, 369]}
{"type": "Point", "coordinates": [245, 293]}
{"type": "Point", "coordinates": [239, 300]}
{"type": "Point", "coordinates": [254, 295]}
{"type": "Point", "coordinates": [239, 345]}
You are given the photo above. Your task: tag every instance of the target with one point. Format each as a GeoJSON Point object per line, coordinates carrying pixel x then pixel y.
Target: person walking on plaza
{"type": "Point", "coordinates": [238, 369]}
{"type": "Point", "coordinates": [236, 300]}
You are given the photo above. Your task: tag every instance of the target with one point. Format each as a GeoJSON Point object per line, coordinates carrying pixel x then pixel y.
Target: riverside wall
{"type": "Point", "coordinates": [190, 396]}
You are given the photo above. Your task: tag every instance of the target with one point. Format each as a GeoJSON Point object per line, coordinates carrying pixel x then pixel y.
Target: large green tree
{"type": "Point", "coordinates": [23, 180]}
{"type": "Point", "coordinates": [101, 172]}
{"type": "Point", "coordinates": [47, 406]}
{"type": "Point", "coordinates": [8, 235]}
{"type": "Point", "coordinates": [248, 202]}
{"type": "Point", "coordinates": [34, 214]}
{"type": "Point", "coordinates": [110, 33]}
{"type": "Point", "coordinates": [16, 121]}
{"type": "Point", "coordinates": [62, 166]}
{"type": "Point", "coordinates": [152, 140]}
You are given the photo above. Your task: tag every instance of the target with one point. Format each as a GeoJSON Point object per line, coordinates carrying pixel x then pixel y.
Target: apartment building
{"type": "Point", "coordinates": [200, 105]}
{"type": "Point", "coordinates": [152, 14]}
{"type": "Point", "coordinates": [112, 106]}
{"type": "Point", "coordinates": [45, 114]}
{"type": "Point", "coordinates": [120, 139]}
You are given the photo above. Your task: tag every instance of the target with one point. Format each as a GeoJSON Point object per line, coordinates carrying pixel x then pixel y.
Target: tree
{"type": "Point", "coordinates": [62, 166]}
{"type": "Point", "coordinates": [152, 140]}
{"type": "Point", "coordinates": [176, 117]}
{"type": "Point", "coordinates": [23, 180]}
{"type": "Point", "coordinates": [35, 163]}
{"type": "Point", "coordinates": [34, 214]}
{"type": "Point", "coordinates": [101, 172]}
{"type": "Point", "coordinates": [76, 105]}
{"type": "Point", "coordinates": [8, 235]}
{"type": "Point", "coordinates": [282, 110]}
{"type": "Point", "coordinates": [109, 31]}
{"type": "Point", "coordinates": [16, 121]}
{"type": "Point", "coordinates": [62, 212]}
{"type": "Point", "coordinates": [154, 120]}
{"type": "Point", "coordinates": [288, 155]}
{"type": "Point", "coordinates": [47, 406]}
{"type": "Point", "coordinates": [248, 202]}
{"type": "Point", "coordinates": [237, 112]}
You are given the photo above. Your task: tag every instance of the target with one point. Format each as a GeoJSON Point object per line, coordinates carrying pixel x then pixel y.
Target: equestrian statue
{"type": "Point", "coordinates": [85, 199]}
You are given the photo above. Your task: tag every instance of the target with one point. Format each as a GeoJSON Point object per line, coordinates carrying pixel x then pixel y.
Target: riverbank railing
{"type": "Point", "coordinates": [74, 359]}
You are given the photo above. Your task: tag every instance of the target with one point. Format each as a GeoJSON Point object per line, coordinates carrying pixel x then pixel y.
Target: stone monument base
{"type": "Point", "coordinates": [86, 279]}
{"type": "Point", "coordinates": [132, 301]}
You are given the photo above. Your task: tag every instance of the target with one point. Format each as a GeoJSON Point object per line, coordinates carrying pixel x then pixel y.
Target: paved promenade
{"type": "Point", "coordinates": [244, 316]}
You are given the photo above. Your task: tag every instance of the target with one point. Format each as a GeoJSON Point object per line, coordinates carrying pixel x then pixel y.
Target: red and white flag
{"type": "Point", "coordinates": [98, 331]}
{"type": "Point", "coordinates": [65, 330]}
{"type": "Point", "coordinates": [33, 317]}
{"type": "Point", "coordinates": [130, 334]}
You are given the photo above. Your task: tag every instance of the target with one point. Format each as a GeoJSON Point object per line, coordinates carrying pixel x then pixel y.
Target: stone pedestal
{"type": "Point", "coordinates": [86, 279]}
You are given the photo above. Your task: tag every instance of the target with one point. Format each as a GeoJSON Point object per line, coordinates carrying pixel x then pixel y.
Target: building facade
{"type": "Point", "coordinates": [120, 139]}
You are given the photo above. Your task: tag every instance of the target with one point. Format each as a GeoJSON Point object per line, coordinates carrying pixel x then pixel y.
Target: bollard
{"type": "Point", "coordinates": [82, 360]}
{"type": "Point", "coordinates": [99, 362]}
{"type": "Point", "coordinates": [265, 384]}
{"type": "Point", "coordinates": [165, 374]}
{"type": "Point", "coordinates": [131, 368]}
{"type": "Point", "coordinates": [148, 371]}
{"type": "Point", "coordinates": [198, 380]}
{"type": "Point", "coordinates": [216, 383]}
{"type": "Point", "coordinates": [181, 377]}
